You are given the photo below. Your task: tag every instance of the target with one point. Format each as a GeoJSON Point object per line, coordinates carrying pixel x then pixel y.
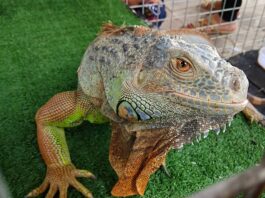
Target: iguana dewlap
{"type": "Point", "coordinates": [159, 89]}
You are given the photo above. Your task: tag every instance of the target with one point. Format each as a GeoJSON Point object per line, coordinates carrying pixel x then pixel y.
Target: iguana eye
{"type": "Point", "coordinates": [182, 68]}
{"type": "Point", "coordinates": [181, 64]}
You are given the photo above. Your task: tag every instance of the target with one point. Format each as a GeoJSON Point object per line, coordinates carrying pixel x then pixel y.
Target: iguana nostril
{"type": "Point", "coordinates": [235, 84]}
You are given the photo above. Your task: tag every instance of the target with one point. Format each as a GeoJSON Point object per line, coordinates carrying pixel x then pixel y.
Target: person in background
{"type": "Point", "coordinates": [220, 17]}
{"type": "Point", "coordinates": [153, 14]}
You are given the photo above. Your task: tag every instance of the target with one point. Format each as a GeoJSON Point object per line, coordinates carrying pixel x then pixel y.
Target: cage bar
{"type": "Point", "coordinates": [250, 32]}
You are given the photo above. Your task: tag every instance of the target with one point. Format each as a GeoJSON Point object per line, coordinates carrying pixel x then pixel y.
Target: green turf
{"type": "Point", "coordinates": [41, 45]}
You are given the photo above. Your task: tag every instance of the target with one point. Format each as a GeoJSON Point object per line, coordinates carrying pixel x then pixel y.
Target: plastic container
{"type": "Point", "coordinates": [261, 57]}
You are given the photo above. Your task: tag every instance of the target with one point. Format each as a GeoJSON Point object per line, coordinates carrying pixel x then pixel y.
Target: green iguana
{"type": "Point", "coordinates": [159, 90]}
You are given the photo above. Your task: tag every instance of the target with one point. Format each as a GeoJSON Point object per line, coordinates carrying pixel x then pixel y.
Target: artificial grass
{"type": "Point", "coordinates": [41, 45]}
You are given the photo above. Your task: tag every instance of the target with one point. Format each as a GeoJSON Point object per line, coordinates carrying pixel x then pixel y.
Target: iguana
{"type": "Point", "coordinates": [159, 90]}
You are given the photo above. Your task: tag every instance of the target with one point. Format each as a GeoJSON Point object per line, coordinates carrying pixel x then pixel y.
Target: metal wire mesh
{"type": "Point", "coordinates": [250, 22]}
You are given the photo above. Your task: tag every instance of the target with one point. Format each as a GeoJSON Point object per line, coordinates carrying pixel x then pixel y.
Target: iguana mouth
{"type": "Point", "coordinates": [217, 105]}
{"type": "Point", "coordinates": [196, 99]}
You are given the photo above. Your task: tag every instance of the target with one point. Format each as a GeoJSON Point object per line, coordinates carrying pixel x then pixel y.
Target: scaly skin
{"type": "Point", "coordinates": [67, 109]}
{"type": "Point", "coordinates": [159, 90]}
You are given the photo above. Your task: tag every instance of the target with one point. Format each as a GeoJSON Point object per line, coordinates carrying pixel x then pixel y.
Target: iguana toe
{"type": "Point", "coordinates": [37, 191]}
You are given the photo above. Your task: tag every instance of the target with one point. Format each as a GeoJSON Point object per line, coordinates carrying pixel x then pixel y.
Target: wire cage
{"type": "Point", "coordinates": [250, 22]}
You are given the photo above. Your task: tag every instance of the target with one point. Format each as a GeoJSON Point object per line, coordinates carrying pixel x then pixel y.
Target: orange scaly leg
{"type": "Point", "coordinates": [66, 109]}
{"type": "Point", "coordinates": [136, 157]}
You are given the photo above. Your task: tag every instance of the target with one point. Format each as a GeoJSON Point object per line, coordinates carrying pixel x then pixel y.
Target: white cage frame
{"type": "Point", "coordinates": [250, 32]}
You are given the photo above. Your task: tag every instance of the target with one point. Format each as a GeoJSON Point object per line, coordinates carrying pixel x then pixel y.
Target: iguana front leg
{"type": "Point", "coordinates": [65, 109]}
{"type": "Point", "coordinates": [135, 156]}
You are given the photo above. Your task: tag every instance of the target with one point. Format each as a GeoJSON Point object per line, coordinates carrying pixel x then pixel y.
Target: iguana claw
{"type": "Point", "coordinates": [59, 178]}
{"type": "Point", "coordinates": [164, 168]}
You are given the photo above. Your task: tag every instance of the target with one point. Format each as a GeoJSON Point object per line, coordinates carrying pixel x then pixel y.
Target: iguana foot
{"type": "Point", "coordinates": [58, 178]}
{"type": "Point", "coordinates": [253, 115]}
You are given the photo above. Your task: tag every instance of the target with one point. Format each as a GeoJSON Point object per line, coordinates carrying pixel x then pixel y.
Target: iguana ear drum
{"type": "Point", "coordinates": [126, 111]}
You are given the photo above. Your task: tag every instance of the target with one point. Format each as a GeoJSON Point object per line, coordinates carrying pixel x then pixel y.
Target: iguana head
{"type": "Point", "coordinates": [183, 78]}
